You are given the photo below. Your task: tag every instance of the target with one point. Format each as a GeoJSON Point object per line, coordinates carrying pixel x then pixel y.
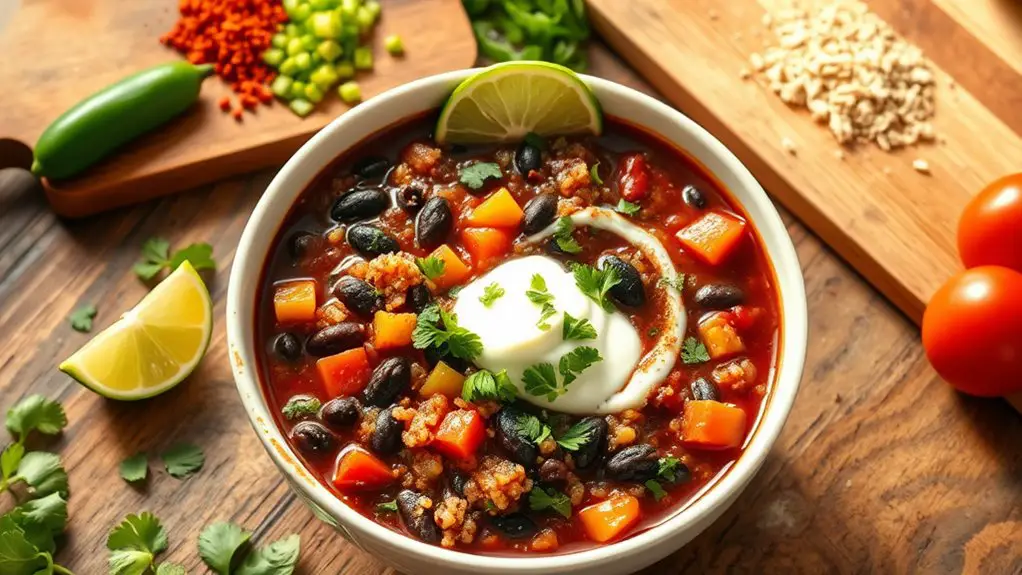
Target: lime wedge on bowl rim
{"type": "Point", "coordinates": [153, 346]}
{"type": "Point", "coordinates": [504, 102]}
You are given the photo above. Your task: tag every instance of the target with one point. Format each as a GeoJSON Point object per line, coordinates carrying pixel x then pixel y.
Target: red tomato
{"type": "Point", "coordinates": [972, 331]}
{"type": "Point", "coordinates": [990, 231]}
{"type": "Point", "coordinates": [633, 181]}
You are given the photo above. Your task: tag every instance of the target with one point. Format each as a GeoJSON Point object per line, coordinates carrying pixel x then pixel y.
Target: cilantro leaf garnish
{"type": "Point", "coordinates": [530, 427]}
{"type": "Point", "coordinates": [387, 506]}
{"type": "Point", "coordinates": [475, 175]}
{"type": "Point", "coordinates": [535, 140]}
{"type": "Point", "coordinates": [693, 351]}
{"type": "Point", "coordinates": [540, 379]}
{"type": "Point", "coordinates": [277, 558]}
{"type": "Point", "coordinates": [540, 499]}
{"type": "Point", "coordinates": [627, 208]}
{"type": "Point", "coordinates": [183, 459]}
{"type": "Point", "coordinates": [81, 318]}
{"type": "Point", "coordinates": [563, 236]}
{"type": "Point", "coordinates": [156, 257]}
{"type": "Point", "coordinates": [300, 406]}
{"type": "Point", "coordinates": [491, 293]}
{"type": "Point", "coordinates": [678, 283]}
{"type": "Point", "coordinates": [594, 174]}
{"type": "Point", "coordinates": [218, 543]}
{"type": "Point", "coordinates": [595, 283]}
{"type": "Point", "coordinates": [35, 413]}
{"type": "Point", "coordinates": [656, 489]}
{"type": "Point", "coordinates": [577, 328]}
{"type": "Point", "coordinates": [669, 467]}
{"type": "Point", "coordinates": [432, 267]}
{"type": "Point", "coordinates": [134, 468]}
{"type": "Point", "coordinates": [539, 295]}
{"type": "Point", "coordinates": [439, 328]}
{"type": "Point", "coordinates": [483, 385]}
{"type": "Point", "coordinates": [576, 361]}
{"type": "Point", "coordinates": [583, 431]}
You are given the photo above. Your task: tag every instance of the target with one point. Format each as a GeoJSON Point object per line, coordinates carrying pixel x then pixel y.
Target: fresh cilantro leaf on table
{"type": "Point", "coordinates": [594, 174]}
{"type": "Point", "coordinates": [596, 283]}
{"type": "Point", "coordinates": [183, 459]}
{"type": "Point", "coordinates": [539, 295]}
{"type": "Point", "coordinates": [35, 413]}
{"type": "Point", "coordinates": [10, 459]}
{"type": "Point", "coordinates": [81, 318]}
{"type": "Point", "coordinates": [566, 242]}
{"type": "Point", "coordinates": [693, 351]}
{"type": "Point", "coordinates": [134, 468]}
{"type": "Point", "coordinates": [156, 257]}
{"type": "Point", "coordinates": [171, 569]}
{"type": "Point", "coordinates": [300, 406]}
{"type": "Point", "coordinates": [44, 517]}
{"type": "Point", "coordinates": [491, 293]}
{"type": "Point", "coordinates": [135, 543]}
{"type": "Point", "coordinates": [678, 283]}
{"type": "Point", "coordinates": [577, 328]}
{"type": "Point", "coordinates": [436, 327]}
{"type": "Point", "coordinates": [656, 489]}
{"type": "Point", "coordinates": [475, 175]}
{"type": "Point", "coordinates": [540, 499]}
{"type": "Point", "coordinates": [627, 208]}
{"type": "Point", "coordinates": [277, 558]}
{"type": "Point", "coordinates": [219, 542]}
{"type": "Point", "coordinates": [43, 472]}
{"type": "Point", "coordinates": [432, 267]}
{"type": "Point", "coordinates": [19, 556]}
{"type": "Point", "coordinates": [387, 506]}
{"type": "Point", "coordinates": [483, 385]}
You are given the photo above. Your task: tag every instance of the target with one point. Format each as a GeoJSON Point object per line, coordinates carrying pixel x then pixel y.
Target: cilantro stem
{"type": "Point", "coordinates": [61, 570]}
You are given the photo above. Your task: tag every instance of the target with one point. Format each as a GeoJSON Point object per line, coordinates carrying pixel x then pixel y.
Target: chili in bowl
{"type": "Point", "coordinates": [562, 354]}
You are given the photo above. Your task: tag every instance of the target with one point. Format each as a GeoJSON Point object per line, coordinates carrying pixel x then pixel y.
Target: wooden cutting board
{"type": "Point", "coordinates": [57, 52]}
{"type": "Point", "coordinates": [892, 223]}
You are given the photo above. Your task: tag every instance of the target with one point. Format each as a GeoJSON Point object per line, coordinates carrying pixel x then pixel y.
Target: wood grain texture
{"type": "Point", "coordinates": [69, 49]}
{"type": "Point", "coordinates": [894, 225]}
{"type": "Point", "coordinates": [881, 468]}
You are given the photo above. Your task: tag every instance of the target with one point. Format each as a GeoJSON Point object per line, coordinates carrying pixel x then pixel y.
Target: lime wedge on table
{"type": "Point", "coordinates": [153, 346]}
{"type": "Point", "coordinates": [507, 101]}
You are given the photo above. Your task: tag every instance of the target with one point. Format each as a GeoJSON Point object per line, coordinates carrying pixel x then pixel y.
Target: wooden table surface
{"type": "Point", "coordinates": [881, 468]}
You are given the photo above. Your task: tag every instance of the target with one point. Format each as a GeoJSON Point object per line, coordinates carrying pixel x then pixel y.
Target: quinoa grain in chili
{"type": "Point", "coordinates": [516, 392]}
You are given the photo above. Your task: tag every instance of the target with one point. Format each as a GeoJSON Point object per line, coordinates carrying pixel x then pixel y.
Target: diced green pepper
{"type": "Point", "coordinates": [363, 58]}
{"type": "Point", "coordinates": [301, 13]}
{"type": "Point", "coordinates": [273, 57]}
{"type": "Point", "coordinates": [303, 61]}
{"type": "Point", "coordinates": [345, 71]}
{"type": "Point", "coordinates": [301, 107]}
{"type": "Point", "coordinates": [350, 93]}
{"type": "Point", "coordinates": [288, 67]}
{"type": "Point", "coordinates": [330, 50]}
{"type": "Point", "coordinates": [309, 42]}
{"type": "Point", "coordinates": [324, 76]}
{"type": "Point", "coordinates": [281, 86]}
{"type": "Point", "coordinates": [279, 40]}
{"type": "Point", "coordinates": [374, 8]}
{"type": "Point", "coordinates": [291, 30]}
{"type": "Point", "coordinates": [326, 24]}
{"type": "Point", "coordinates": [294, 46]}
{"type": "Point", "coordinates": [394, 45]}
{"type": "Point", "coordinates": [313, 93]}
{"type": "Point", "coordinates": [297, 89]}
{"type": "Point", "coordinates": [364, 18]}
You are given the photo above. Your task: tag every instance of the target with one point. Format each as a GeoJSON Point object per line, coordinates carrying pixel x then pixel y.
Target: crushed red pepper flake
{"type": "Point", "coordinates": [232, 35]}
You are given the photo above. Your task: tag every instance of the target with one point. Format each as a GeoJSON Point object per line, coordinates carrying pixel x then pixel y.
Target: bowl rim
{"type": "Point", "coordinates": [700, 510]}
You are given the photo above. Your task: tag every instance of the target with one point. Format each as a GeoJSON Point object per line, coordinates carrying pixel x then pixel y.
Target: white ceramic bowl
{"type": "Point", "coordinates": [412, 556]}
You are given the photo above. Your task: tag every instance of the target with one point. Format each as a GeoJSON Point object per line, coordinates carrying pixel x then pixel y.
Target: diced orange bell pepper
{"type": "Point", "coordinates": [460, 434]}
{"type": "Point", "coordinates": [455, 270]}
{"type": "Point", "coordinates": [500, 210]}
{"type": "Point", "coordinates": [709, 424]}
{"type": "Point", "coordinates": [357, 469]}
{"type": "Point", "coordinates": [444, 380]}
{"type": "Point", "coordinates": [713, 236]}
{"type": "Point", "coordinates": [345, 373]}
{"type": "Point", "coordinates": [392, 329]}
{"type": "Point", "coordinates": [295, 301]}
{"type": "Point", "coordinates": [607, 519]}
{"type": "Point", "coordinates": [486, 244]}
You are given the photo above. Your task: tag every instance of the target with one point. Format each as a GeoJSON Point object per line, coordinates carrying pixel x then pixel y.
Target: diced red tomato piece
{"type": "Point", "coordinates": [460, 434]}
{"type": "Point", "coordinates": [357, 469]}
{"type": "Point", "coordinates": [345, 373]}
{"type": "Point", "coordinates": [633, 181]}
{"type": "Point", "coordinates": [713, 236]}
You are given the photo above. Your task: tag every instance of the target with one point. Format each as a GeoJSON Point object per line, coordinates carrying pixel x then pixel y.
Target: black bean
{"type": "Point", "coordinates": [553, 470]}
{"type": "Point", "coordinates": [410, 198]}
{"type": "Point", "coordinates": [371, 241]}
{"type": "Point", "coordinates": [392, 377]}
{"type": "Point", "coordinates": [593, 434]}
{"type": "Point", "coordinates": [357, 295]}
{"type": "Point", "coordinates": [540, 212]}
{"type": "Point", "coordinates": [336, 338]}
{"type": "Point", "coordinates": [629, 291]}
{"type": "Point", "coordinates": [288, 347]}
{"type": "Point", "coordinates": [341, 413]}
{"type": "Point", "coordinates": [434, 223]}
{"type": "Point", "coordinates": [300, 244]}
{"type": "Point", "coordinates": [718, 296]}
{"type": "Point", "coordinates": [371, 167]}
{"type": "Point", "coordinates": [527, 158]}
{"type": "Point", "coordinates": [418, 521]}
{"type": "Point", "coordinates": [513, 438]}
{"type": "Point", "coordinates": [702, 389]}
{"type": "Point", "coordinates": [359, 205]}
{"type": "Point", "coordinates": [418, 297]}
{"type": "Point", "coordinates": [680, 474]}
{"type": "Point", "coordinates": [693, 197]}
{"type": "Point", "coordinates": [312, 438]}
{"type": "Point", "coordinates": [386, 438]}
{"type": "Point", "coordinates": [458, 481]}
{"type": "Point", "coordinates": [514, 525]}
{"type": "Point", "coordinates": [637, 463]}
